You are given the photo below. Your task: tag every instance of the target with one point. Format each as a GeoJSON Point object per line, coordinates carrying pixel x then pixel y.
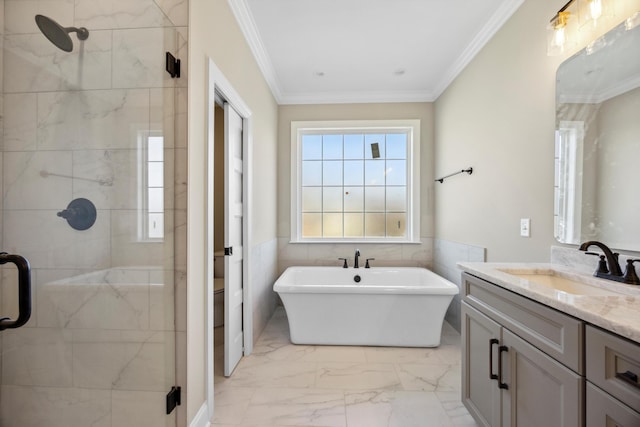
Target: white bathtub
{"type": "Point", "coordinates": [401, 307]}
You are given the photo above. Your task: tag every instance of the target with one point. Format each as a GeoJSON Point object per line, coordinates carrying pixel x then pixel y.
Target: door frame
{"type": "Point", "coordinates": [217, 82]}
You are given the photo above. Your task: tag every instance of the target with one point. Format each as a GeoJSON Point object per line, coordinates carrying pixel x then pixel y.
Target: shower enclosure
{"type": "Point", "coordinates": [93, 176]}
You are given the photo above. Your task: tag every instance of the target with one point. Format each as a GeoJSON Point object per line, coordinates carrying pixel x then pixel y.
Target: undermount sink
{"type": "Point", "coordinates": [554, 280]}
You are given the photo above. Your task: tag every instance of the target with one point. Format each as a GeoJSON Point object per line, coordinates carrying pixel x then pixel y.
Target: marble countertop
{"type": "Point", "coordinates": [618, 312]}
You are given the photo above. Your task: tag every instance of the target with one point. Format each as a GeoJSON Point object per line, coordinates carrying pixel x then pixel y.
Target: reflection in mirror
{"type": "Point", "coordinates": [597, 151]}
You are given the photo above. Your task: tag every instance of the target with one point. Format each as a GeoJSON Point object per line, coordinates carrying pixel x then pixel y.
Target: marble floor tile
{"type": "Point", "coordinates": [285, 385]}
{"type": "Point", "coordinates": [454, 408]}
{"type": "Point", "coordinates": [417, 377]}
{"type": "Point", "coordinates": [402, 355]}
{"type": "Point", "coordinates": [395, 409]}
{"type": "Point", "coordinates": [357, 376]}
{"type": "Point", "coordinates": [258, 372]}
{"type": "Point", "coordinates": [297, 406]}
{"type": "Point", "coordinates": [231, 404]}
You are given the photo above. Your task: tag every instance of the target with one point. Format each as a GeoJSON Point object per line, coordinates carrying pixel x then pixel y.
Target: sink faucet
{"type": "Point", "coordinates": [612, 259]}
{"type": "Point", "coordinates": [355, 263]}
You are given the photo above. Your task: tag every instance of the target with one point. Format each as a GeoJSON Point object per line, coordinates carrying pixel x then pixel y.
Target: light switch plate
{"type": "Point", "coordinates": [525, 227]}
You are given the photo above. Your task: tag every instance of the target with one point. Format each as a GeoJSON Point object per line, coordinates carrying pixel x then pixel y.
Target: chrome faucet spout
{"type": "Point", "coordinates": [355, 263]}
{"type": "Point", "coordinates": [612, 258]}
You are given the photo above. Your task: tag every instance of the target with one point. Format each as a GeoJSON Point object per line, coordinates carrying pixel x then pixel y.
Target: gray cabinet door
{"type": "Point", "coordinates": [480, 393]}
{"type": "Point", "coordinates": [541, 391]}
{"type": "Point", "coordinates": [605, 411]}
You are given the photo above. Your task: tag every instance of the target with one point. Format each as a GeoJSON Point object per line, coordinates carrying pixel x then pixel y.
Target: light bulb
{"type": "Point", "coordinates": [558, 37]}
{"type": "Point", "coordinates": [595, 9]}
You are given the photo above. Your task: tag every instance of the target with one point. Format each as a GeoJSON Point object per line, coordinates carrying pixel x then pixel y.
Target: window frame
{"type": "Point", "coordinates": [144, 187]}
{"type": "Point", "coordinates": [412, 126]}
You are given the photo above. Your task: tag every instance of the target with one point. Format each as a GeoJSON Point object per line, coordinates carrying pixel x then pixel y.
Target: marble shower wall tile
{"type": "Point", "coordinates": [23, 12]}
{"type": "Point", "coordinates": [123, 360]}
{"type": "Point", "coordinates": [30, 232]}
{"type": "Point", "coordinates": [162, 297]}
{"type": "Point", "coordinates": [54, 407]}
{"type": "Point", "coordinates": [99, 300]}
{"type": "Point", "coordinates": [144, 56]}
{"type": "Point", "coordinates": [106, 177]}
{"type": "Point", "coordinates": [20, 122]}
{"type": "Point", "coordinates": [27, 184]}
{"type": "Point", "coordinates": [119, 14]}
{"type": "Point", "coordinates": [176, 10]}
{"type": "Point", "coordinates": [37, 357]}
{"type": "Point", "coordinates": [92, 119]}
{"type": "Point", "coordinates": [33, 64]}
{"type": "Point", "coordinates": [163, 114]}
{"type": "Point", "coordinates": [135, 409]}
{"type": "Point", "coordinates": [127, 250]}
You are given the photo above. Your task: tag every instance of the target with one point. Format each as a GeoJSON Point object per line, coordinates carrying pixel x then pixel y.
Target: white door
{"type": "Point", "coordinates": [233, 336]}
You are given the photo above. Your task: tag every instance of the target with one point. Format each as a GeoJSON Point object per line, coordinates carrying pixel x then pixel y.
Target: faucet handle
{"type": "Point", "coordinates": [630, 275]}
{"type": "Point", "coordinates": [366, 264]}
{"type": "Point", "coordinates": [602, 264]}
{"type": "Point", "coordinates": [345, 265]}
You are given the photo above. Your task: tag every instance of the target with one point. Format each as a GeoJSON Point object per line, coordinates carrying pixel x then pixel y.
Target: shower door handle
{"type": "Point", "coordinates": [24, 291]}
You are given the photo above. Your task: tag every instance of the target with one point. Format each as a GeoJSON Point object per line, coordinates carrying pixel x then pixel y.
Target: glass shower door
{"type": "Point", "coordinates": [90, 139]}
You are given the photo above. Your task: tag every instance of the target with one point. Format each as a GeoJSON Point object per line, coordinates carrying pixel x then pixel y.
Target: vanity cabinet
{"type": "Point", "coordinates": [613, 390]}
{"type": "Point", "coordinates": [522, 363]}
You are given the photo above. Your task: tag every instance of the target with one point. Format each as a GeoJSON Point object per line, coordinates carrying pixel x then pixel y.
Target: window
{"type": "Point", "coordinates": [151, 185]}
{"type": "Point", "coordinates": [355, 181]}
{"type": "Point", "coordinates": [568, 181]}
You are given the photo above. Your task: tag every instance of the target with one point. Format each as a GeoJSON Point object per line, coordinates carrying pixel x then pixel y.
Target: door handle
{"type": "Point", "coordinates": [24, 291]}
{"type": "Point", "coordinates": [492, 341]}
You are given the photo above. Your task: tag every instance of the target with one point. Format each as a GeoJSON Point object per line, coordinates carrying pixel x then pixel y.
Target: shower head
{"type": "Point", "coordinates": [59, 35]}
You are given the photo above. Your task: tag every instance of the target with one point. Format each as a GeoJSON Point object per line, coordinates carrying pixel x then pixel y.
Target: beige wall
{"type": "Point", "coordinates": [499, 117]}
{"type": "Point", "coordinates": [391, 111]}
{"type": "Point", "coordinates": [214, 33]}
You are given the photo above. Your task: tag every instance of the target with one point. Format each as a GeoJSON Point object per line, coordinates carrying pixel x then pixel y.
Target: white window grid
{"type": "Point", "coordinates": [406, 216]}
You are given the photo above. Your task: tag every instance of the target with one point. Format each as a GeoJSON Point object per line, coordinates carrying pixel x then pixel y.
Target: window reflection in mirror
{"type": "Point", "coordinates": [598, 142]}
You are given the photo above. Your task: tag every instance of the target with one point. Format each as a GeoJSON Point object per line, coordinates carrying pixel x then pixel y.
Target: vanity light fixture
{"type": "Point", "coordinates": [557, 30]}
{"type": "Point", "coordinates": [583, 22]}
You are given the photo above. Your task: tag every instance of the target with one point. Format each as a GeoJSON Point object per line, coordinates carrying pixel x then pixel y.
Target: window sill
{"type": "Point", "coordinates": [359, 242]}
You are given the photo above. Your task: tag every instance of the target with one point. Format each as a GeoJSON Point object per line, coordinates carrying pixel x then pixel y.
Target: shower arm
{"type": "Point", "coordinates": [81, 32]}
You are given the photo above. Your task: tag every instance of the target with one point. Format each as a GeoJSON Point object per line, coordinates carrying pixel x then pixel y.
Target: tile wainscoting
{"type": "Point", "coordinates": [389, 255]}
{"type": "Point", "coordinates": [264, 261]}
{"type": "Point", "coordinates": [446, 254]}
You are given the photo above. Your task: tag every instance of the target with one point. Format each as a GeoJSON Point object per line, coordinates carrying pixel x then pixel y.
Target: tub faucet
{"type": "Point", "coordinates": [355, 263]}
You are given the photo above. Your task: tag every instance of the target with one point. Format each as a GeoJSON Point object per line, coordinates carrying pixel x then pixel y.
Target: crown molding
{"type": "Point", "coordinates": [357, 97]}
{"type": "Point", "coordinates": [248, 27]}
{"type": "Point", "coordinates": [497, 20]}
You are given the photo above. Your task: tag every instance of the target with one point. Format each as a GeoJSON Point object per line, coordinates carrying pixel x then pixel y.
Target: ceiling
{"type": "Point", "coordinates": [338, 51]}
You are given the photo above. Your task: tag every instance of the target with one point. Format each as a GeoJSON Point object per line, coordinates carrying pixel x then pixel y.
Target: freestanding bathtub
{"type": "Point", "coordinates": [402, 307]}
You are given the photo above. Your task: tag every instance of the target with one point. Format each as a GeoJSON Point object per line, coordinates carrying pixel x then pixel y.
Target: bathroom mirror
{"type": "Point", "coordinates": [597, 155]}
